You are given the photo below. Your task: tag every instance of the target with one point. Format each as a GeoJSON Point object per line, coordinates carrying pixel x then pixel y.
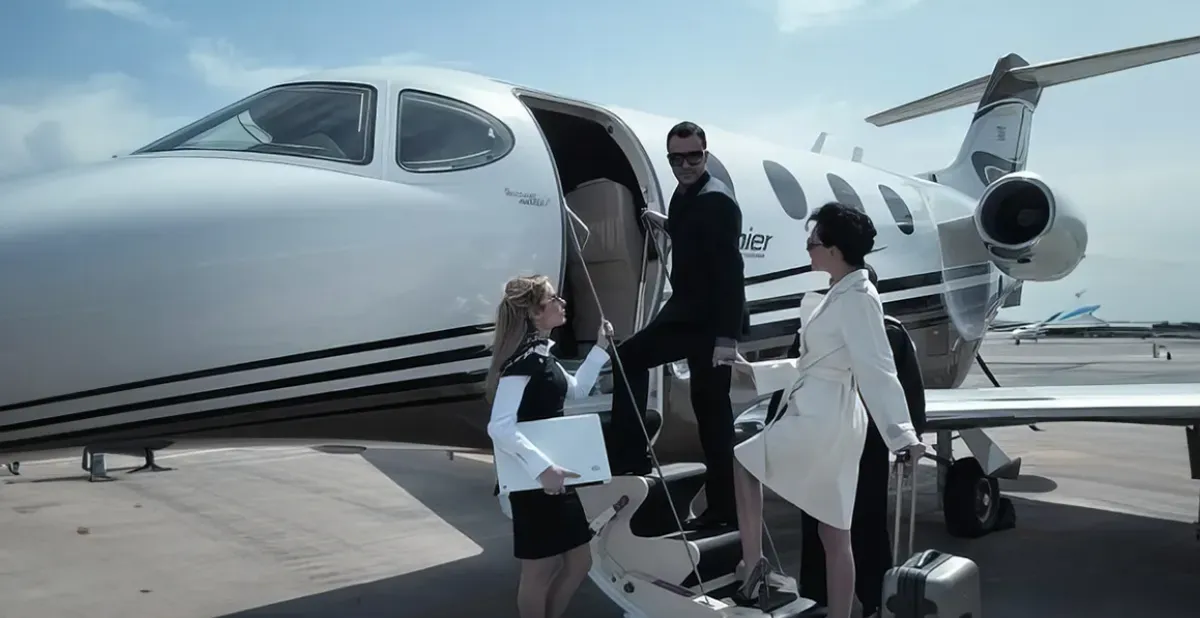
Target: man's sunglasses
{"type": "Point", "coordinates": [677, 159]}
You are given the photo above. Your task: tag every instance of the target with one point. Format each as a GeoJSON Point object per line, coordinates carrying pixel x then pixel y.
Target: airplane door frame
{"type": "Point", "coordinates": [643, 169]}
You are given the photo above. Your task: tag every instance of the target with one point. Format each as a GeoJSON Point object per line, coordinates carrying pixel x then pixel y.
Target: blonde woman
{"type": "Point", "coordinates": [526, 383]}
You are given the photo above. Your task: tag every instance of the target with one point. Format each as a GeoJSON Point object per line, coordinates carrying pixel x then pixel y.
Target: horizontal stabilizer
{"type": "Point", "coordinates": [1042, 75]}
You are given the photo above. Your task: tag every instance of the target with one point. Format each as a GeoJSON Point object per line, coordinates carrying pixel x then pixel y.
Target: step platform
{"type": "Point", "coordinates": [644, 563]}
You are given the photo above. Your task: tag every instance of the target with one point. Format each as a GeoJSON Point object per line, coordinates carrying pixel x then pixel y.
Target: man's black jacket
{"type": "Point", "coordinates": [908, 370]}
{"type": "Point", "coordinates": [707, 274]}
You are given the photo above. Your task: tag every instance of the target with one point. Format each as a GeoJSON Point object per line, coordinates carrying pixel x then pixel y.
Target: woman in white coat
{"type": "Point", "coordinates": [809, 454]}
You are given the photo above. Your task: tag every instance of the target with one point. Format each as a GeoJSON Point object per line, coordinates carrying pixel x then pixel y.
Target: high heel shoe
{"type": "Point", "coordinates": [759, 583]}
{"type": "Point", "coordinates": [754, 589]}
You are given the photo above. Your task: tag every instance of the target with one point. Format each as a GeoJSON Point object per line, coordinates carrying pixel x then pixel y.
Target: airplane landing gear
{"type": "Point", "coordinates": [971, 502]}
{"type": "Point", "coordinates": [150, 466]}
{"type": "Point", "coordinates": [13, 467]}
{"type": "Point", "coordinates": [969, 488]}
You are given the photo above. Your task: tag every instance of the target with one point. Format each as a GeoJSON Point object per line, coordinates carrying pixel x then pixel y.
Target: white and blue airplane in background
{"type": "Point", "coordinates": [319, 264]}
{"type": "Point", "coordinates": [1081, 316]}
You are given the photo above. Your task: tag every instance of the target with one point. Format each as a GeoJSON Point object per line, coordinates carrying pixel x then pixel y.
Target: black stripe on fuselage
{"type": "Point", "coordinates": [357, 371]}
{"type": "Point", "coordinates": [290, 359]}
{"type": "Point", "coordinates": [886, 286]}
{"type": "Point", "coordinates": [889, 285]}
{"type": "Point", "coordinates": [398, 396]}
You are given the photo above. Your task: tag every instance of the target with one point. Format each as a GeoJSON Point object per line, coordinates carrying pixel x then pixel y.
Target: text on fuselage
{"type": "Point", "coordinates": [754, 245]}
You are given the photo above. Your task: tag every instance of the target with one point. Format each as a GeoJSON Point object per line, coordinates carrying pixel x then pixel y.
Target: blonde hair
{"type": "Point", "coordinates": [514, 321]}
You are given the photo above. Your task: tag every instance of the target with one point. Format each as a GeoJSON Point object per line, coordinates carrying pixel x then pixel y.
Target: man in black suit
{"type": "Point", "coordinates": [701, 322]}
{"type": "Point", "coordinates": [869, 526]}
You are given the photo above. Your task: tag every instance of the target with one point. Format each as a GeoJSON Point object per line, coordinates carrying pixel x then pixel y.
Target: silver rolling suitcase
{"type": "Point", "coordinates": [929, 584]}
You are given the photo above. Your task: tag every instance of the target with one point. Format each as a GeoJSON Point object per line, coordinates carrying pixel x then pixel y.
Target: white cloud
{"type": "Point", "coordinates": [47, 125]}
{"type": "Point", "coordinates": [795, 15]}
{"type": "Point", "coordinates": [125, 9]}
{"type": "Point", "coordinates": [219, 65]}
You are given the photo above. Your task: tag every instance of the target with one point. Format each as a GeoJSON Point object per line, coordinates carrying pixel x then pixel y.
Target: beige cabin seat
{"type": "Point", "coordinates": [612, 253]}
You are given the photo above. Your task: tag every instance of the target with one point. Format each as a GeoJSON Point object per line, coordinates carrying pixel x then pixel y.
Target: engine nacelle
{"type": "Point", "coordinates": [1030, 232]}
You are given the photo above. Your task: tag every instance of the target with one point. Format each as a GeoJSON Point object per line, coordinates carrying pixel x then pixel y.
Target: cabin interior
{"type": "Point", "coordinates": [602, 189]}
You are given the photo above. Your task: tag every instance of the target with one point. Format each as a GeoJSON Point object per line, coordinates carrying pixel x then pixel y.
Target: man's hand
{"type": "Point", "coordinates": [654, 219]}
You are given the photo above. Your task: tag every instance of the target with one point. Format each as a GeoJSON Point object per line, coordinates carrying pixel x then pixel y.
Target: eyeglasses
{"type": "Point", "coordinates": [677, 159]}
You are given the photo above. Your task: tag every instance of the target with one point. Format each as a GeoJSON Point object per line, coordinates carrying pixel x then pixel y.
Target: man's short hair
{"type": "Point", "coordinates": [687, 129]}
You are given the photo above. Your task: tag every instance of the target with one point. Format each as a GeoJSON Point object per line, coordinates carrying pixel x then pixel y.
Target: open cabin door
{"type": "Point", "coordinates": [610, 266]}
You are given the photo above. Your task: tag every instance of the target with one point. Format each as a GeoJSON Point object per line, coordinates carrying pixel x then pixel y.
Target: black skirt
{"type": "Point", "coordinates": [547, 525]}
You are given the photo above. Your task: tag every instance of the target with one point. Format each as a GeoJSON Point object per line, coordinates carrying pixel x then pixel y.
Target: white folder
{"type": "Point", "coordinates": [574, 442]}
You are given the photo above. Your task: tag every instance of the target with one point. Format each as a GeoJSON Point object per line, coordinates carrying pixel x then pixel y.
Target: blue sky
{"type": "Point", "coordinates": [84, 79]}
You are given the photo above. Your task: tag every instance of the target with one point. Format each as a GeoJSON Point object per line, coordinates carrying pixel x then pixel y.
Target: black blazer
{"type": "Point", "coordinates": [908, 370]}
{"type": "Point", "coordinates": [708, 286]}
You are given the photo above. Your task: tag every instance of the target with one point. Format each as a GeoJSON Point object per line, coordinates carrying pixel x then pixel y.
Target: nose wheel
{"type": "Point", "coordinates": [971, 502]}
{"type": "Point", "coordinates": [13, 467]}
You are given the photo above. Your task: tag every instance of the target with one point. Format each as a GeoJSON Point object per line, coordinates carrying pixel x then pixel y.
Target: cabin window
{"type": "Point", "coordinates": [437, 134]}
{"type": "Point", "coordinates": [900, 212]}
{"type": "Point", "coordinates": [787, 190]}
{"type": "Point", "coordinates": [844, 193]}
{"type": "Point", "coordinates": [334, 122]}
{"type": "Point", "coordinates": [716, 168]}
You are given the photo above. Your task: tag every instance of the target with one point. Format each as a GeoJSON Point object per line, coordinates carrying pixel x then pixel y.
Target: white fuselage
{"type": "Point", "coordinates": [217, 295]}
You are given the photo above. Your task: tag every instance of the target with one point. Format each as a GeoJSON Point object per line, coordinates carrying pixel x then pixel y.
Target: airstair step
{"type": "Point", "coordinates": [655, 518]}
{"type": "Point", "coordinates": [779, 604]}
{"type": "Point", "coordinates": [720, 553]}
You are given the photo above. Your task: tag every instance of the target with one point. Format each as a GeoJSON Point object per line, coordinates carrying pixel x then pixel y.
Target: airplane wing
{"type": "Point", "coordinates": [981, 408]}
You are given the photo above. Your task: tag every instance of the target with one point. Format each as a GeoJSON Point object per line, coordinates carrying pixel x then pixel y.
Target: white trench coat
{"type": "Point", "coordinates": [810, 454]}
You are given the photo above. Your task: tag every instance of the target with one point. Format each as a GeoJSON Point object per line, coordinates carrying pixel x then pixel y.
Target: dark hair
{"type": "Point", "coordinates": [847, 228]}
{"type": "Point", "coordinates": [687, 129]}
{"type": "Point", "coordinates": [871, 276]}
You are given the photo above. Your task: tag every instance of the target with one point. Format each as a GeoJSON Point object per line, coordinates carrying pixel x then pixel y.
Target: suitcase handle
{"type": "Point", "coordinates": [905, 462]}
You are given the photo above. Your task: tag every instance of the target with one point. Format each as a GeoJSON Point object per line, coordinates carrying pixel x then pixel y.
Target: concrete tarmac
{"type": "Point", "coordinates": [1104, 523]}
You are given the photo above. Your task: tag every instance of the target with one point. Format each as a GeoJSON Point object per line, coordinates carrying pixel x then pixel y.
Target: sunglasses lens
{"type": "Point", "coordinates": [677, 159]}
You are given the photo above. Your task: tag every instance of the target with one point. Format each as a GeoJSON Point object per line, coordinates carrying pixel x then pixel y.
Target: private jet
{"type": "Point", "coordinates": [1080, 317]}
{"type": "Point", "coordinates": [319, 264]}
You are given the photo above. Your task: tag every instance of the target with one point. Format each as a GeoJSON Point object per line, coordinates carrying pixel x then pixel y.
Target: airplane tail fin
{"type": "Point", "coordinates": [997, 141]}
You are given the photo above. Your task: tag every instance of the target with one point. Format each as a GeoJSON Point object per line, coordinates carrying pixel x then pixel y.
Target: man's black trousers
{"type": "Point", "coordinates": [869, 537]}
{"type": "Point", "coordinates": [658, 344]}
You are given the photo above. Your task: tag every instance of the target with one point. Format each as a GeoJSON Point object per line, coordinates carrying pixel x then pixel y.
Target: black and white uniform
{"type": "Point", "coordinates": [533, 386]}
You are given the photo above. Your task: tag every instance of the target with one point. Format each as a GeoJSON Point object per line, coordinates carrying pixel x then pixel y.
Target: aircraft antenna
{"type": "Point", "coordinates": [618, 366]}
{"type": "Point", "coordinates": [820, 143]}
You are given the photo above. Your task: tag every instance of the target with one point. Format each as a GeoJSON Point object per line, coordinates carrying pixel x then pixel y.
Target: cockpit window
{"type": "Point", "coordinates": [318, 121]}
{"type": "Point", "coordinates": [437, 134]}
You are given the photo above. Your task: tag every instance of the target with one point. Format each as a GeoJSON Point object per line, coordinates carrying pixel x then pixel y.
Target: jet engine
{"type": "Point", "coordinates": [1030, 231]}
